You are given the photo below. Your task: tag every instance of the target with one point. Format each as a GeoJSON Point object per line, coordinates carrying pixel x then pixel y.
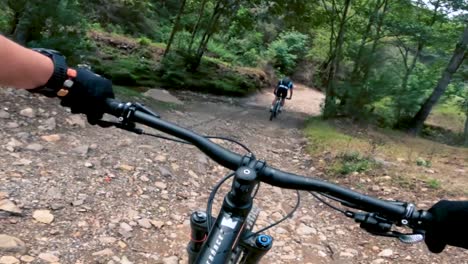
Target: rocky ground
{"type": "Point", "coordinates": [74, 193]}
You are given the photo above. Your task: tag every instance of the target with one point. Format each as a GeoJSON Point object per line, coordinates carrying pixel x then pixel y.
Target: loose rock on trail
{"type": "Point", "coordinates": [76, 193]}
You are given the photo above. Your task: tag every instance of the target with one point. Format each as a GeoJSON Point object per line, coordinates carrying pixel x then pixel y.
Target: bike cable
{"type": "Point", "coordinates": [215, 189]}
{"type": "Point", "coordinates": [231, 140]}
{"type": "Point", "coordinates": [289, 215]}
{"type": "Point", "coordinates": [218, 185]}
{"type": "Point", "coordinates": [188, 143]}
{"type": "Point", "coordinates": [327, 203]}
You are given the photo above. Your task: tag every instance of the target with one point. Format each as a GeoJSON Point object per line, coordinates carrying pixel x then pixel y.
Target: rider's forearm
{"type": "Point", "coordinates": [21, 67]}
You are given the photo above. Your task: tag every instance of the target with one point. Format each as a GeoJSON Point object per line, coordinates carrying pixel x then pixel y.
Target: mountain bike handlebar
{"type": "Point", "coordinates": [396, 212]}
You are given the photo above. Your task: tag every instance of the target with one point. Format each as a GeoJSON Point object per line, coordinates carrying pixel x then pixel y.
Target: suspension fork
{"type": "Point", "coordinates": [216, 245]}
{"type": "Point", "coordinates": [255, 247]}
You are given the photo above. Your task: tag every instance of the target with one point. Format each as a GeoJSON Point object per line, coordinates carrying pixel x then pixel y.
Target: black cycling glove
{"type": "Point", "coordinates": [82, 90]}
{"type": "Point", "coordinates": [87, 95]}
{"type": "Point", "coordinates": [449, 225]}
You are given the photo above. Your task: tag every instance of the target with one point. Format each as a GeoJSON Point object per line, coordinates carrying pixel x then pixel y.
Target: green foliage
{"type": "Point", "coordinates": [286, 51]}
{"type": "Point", "coordinates": [423, 163]}
{"type": "Point", "coordinates": [281, 34]}
{"type": "Point", "coordinates": [121, 16]}
{"type": "Point", "coordinates": [126, 69]}
{"type": "Point", "coordinates": [320, 40]}
{"type": "Point", "coordinates": [420, 84]}
{"type": "Point", "coordinates": [211, 77]}
{"type": "Point", "coordinates": [434, 184]}
{"type": "Point", "coordinates": [5, 20]}
{"type": "Point", "coordinates": [144, 41]}
{"type": "Point", "coordinates": [349, 162]}
{"type": "Point", "coordinates": [54, 24]}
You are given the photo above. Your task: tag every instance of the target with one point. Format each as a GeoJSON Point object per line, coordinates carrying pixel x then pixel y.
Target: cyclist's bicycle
{"type": "Point", "coordinates": [228, 238]}
{"type": "Point", "coordinates": [276, 108]}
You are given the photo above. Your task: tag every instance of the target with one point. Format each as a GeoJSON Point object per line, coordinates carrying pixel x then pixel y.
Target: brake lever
{"type": "Point", "coordinates": [124, 120]}
{"type": "Point", "coordinates": [410, 238]}
{"type": "Point", "coordinates": [406, 238]}
{"type": "Point", "coordinates": [379, 226]}
{"type": "Point", "coordinates": [146, 110]}
{"type": "Point", "coordinates": [131, 127]}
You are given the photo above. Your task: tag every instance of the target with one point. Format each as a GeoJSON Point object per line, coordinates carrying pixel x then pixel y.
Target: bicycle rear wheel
{"type": "Point", "coordinates": [274, 112]}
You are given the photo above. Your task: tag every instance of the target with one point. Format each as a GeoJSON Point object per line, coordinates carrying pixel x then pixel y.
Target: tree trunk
{"type": "Point", "coordinates": [175, 28]}
{"type": "Point", "coordinates": [465, 132]}
{"type": "Point", "coordinates": [197, 25]}
{"type": "Point", "coordinates": [378, 31]}
{"type": "Point", "coordinates": [458, 56]}
{"type": "Point", "coordinates": [325, 66]}
{"type": "Point", "coordinates": [330, 99]}
{"type": "Point", "coordinates": [367, 32]}
{"type": "Point", "coordinates": [408, 71]}
{"type": "Point", "coordinates": [210, 30]}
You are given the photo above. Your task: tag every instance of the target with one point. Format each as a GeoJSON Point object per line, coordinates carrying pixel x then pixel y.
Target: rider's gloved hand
{"type": "Point", "coordinates": [449, 225]}
{"type": "Point", "coordinates": [82, 90]}
{"type": "Point", "coordinates": [87, 95]}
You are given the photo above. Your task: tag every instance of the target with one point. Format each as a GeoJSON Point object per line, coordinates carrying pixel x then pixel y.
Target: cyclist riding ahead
{"type": "Point", "coordinates": [46, 72]}
{"type": "Point", "coordinates": [281, 90]}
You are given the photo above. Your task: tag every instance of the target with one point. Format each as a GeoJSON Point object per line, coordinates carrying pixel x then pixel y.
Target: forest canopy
{"type": "Point", "coordinates": [387, 61]}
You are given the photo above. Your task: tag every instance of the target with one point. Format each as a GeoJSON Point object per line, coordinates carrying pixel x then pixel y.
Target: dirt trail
{"type": "Point", "coordinates": [305, 100]}
{"type": "Point", "coordinates": [117, 197]}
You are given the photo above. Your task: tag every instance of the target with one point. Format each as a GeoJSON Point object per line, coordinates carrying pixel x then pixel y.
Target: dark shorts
{"type": "Point", "coordinates": [282, 92]}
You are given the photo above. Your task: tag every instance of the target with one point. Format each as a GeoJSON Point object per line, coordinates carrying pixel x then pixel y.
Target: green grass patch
{"type": "Point", "coordinates": [323, 135]}
{"type": "Point", "coordinates": [448, 115]}
{"type": "Point", "coordinates": [353, 161]}
{"type": "Point", "coordinates": [128, 70]}
{"type": "Point", "coordinates": [343, 147]}
{"type": "Point", "coordinates": [434, 184]}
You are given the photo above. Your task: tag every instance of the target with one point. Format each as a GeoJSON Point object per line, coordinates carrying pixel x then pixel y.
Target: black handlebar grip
{"type": "Point", "coordinates": [113, 107]}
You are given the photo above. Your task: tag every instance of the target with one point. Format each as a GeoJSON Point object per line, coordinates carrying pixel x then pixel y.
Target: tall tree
{"type": "Point", "coordinates": [373, 18]}
{"type": "Point", "coordinates": [175, 28]}
{"type": "Point", "coordinates": [222, 9]}
{"type": "Point", "coordinates": [330, 99]}
{"type": "Point", "coordinates": [354, 96]}
{"type": "Point", "coordinates": [418, 32]}
{"type": "Point", "coordinates": [197, 24]}
{"type": "Point", "coordinates": [459, 54]}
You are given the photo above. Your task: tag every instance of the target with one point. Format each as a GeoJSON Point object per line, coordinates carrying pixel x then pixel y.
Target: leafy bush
{"type": "Point", "coordinates": [144, 41]}
{"type": "Point", "coordinates": [5, 18]}
{"type": "Point", "coordinates": [54, 24]}
{"type": "Point", "coordinates": [286, 51]}
{"type": "Point", "coordinates": [127, 70]}
{"type": "Point", "coordinates": [319, 50]}
{"type": "Point", "coordinates": [219, 50]}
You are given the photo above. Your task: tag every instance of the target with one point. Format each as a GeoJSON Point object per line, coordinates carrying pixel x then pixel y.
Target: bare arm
{"type": "Point", "coordinates": [21, 67]}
